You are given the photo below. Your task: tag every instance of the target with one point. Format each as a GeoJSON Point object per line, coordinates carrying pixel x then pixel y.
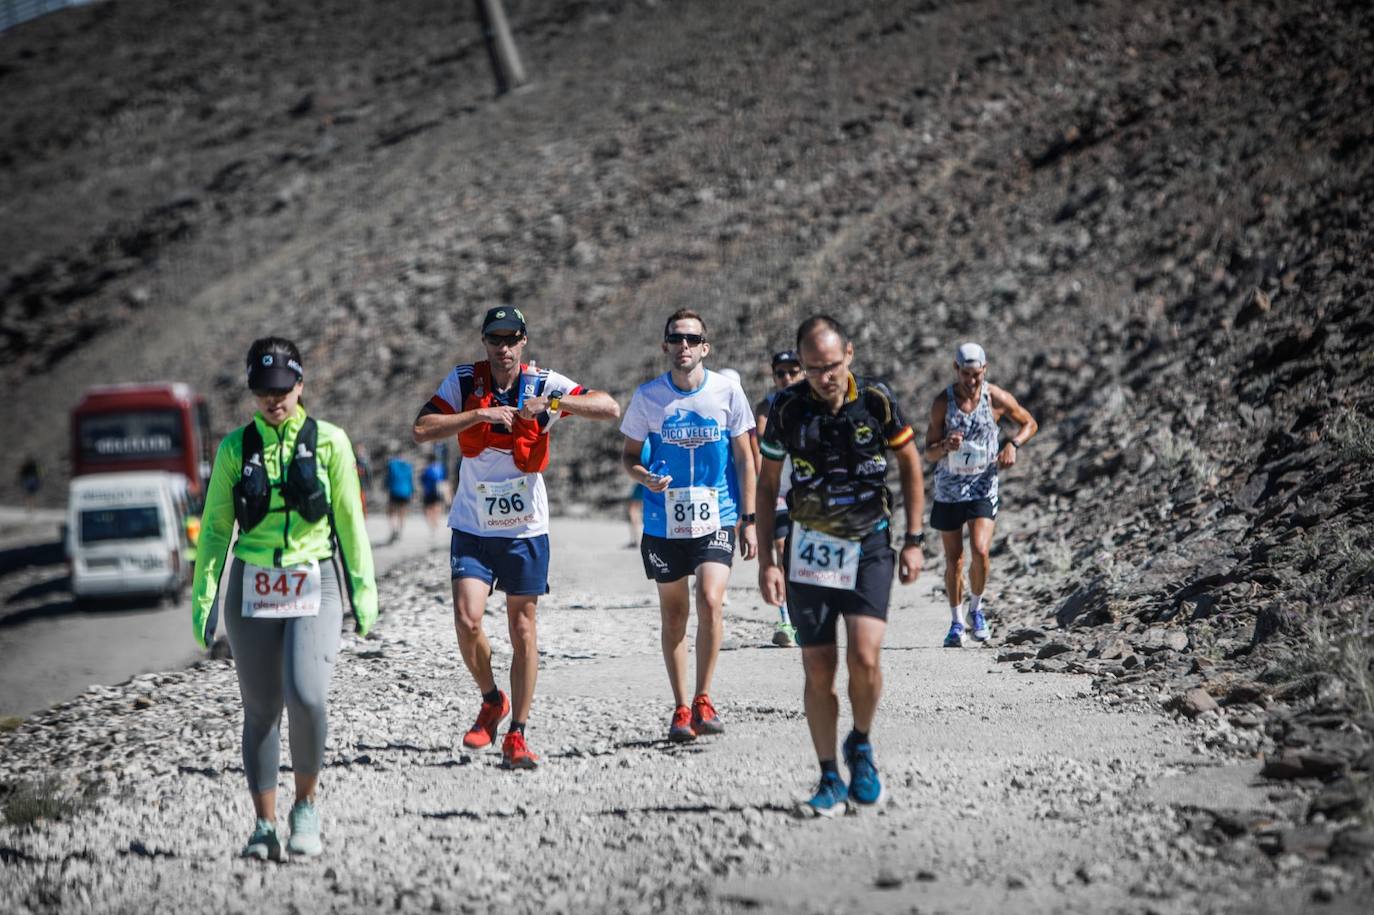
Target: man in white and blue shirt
{"type": "Point", "coordinates": [697, 424]}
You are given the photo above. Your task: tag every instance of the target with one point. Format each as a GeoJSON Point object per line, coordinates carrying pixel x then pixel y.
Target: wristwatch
{"type": "Point", "coordinates": [554, 401]}
{"type": "Point", "coordinates": [747, 519]}
{"type": "Point", "coordinates": [1012, 442]}
{"type": "Point", "coordinates": [910, 539]}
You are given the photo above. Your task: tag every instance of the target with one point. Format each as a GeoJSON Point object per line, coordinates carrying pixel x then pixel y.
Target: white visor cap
{"type": "Point", "coordinates": [970, 354]}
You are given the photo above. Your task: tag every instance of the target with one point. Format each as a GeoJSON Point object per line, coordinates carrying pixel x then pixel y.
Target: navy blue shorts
{"type": "Point", "coordinates": [516, 565]}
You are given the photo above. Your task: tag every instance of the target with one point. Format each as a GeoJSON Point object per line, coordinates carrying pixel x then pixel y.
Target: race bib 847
{"type": "Point", "coordinates": [279, 594]}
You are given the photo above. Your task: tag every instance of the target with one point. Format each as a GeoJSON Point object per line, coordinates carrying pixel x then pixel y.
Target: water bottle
{"type": "Point", "coordinates": [658, 470]}
{"type": "Point", "coordinates": [529, 380]}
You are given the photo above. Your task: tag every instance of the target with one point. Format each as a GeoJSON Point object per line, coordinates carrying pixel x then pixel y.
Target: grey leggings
{"type": "Point", "coordinates": [283, 661]}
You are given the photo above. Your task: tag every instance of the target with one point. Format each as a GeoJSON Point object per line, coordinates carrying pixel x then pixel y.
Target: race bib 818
{"type": "Point", "coordinates": [693, 511]}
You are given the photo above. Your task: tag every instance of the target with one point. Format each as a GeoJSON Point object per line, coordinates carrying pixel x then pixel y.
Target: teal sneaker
{"type": "Point", "coordinates": [829, 800]}
{"type": "Point", "coordinates": [955, 637]}
{"type": "Point", "coordinates": [263, 844]}
{"type": "Point", "coordinates": [305, 830]}
{"type": "Point", "coordinates": [864, 785]}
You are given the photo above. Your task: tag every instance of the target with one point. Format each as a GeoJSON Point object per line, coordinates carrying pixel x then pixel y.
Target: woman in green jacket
{"type": "Point", "coordinates": [291, 483]}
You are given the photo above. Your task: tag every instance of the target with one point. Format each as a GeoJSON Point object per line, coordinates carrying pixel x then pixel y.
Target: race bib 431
{"type": "Point", "coordinates": [820, 559]}
{"type": "Point", "coordinates": [279, 594]}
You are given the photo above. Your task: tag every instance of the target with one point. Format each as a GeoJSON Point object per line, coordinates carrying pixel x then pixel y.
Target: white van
{"type": "Point", "coordinates": [127, 534]}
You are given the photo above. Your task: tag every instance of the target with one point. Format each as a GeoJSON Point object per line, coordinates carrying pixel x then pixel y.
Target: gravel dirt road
{"type": "Point", "coordinates": [52, 648]}
{"type": "Point", "coordinates": [1006, 790]}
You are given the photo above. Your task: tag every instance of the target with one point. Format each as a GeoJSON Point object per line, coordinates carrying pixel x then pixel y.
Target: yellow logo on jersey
{"type": "Point", "coordinates": [863, 435]}
{"type": "Point", "coordinates": [802, 470]}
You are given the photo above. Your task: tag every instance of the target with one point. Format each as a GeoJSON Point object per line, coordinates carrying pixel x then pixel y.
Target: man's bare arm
{"type": "Point", "coordinates": [431, 425]}
{"type": "Point", "coordinates": [935, 433]}
{"type": "Point", "coordinates": [1004, 404]}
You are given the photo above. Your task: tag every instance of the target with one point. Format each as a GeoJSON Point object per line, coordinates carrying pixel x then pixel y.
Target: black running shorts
{"type": "Point", "coordinates": [668, 560]}
{"type": "Point", "coordinates": [816, 610]}
{"type": "Point", "coordinates": [952, 516]}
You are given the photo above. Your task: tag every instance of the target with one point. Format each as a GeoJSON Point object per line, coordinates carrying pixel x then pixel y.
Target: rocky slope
{"type": "Point", "coordinates": [1154, 215]}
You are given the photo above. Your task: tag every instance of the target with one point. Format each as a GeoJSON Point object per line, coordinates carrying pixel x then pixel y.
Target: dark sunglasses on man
{"type": "Point", "coordinates": [503, 339]}
{"type": "Point", "coordinates": [689, 339]}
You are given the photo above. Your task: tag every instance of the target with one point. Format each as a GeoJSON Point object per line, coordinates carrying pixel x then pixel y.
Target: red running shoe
{"type": "Point", "coordinates": [680, 731]}
{"type": "Point", "coordinates": [483, 730]}
{"type": "Point", "coordinates": [515, 754]}
{"type": "Point", "coordinates": [704, 717]}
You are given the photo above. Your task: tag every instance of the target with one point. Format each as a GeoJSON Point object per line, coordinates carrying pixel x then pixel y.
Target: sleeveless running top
{"type": "Point", "coordinates": [980, 430]}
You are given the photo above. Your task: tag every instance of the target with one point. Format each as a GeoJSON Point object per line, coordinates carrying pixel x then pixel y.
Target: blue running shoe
{"type": "Point", "coordinates": [829, 799]}
{"type": "Point", "coordinates": [263, 844]}
{"type": "Point", "coordinates": [955, 637]}
{"type": "Point", "coordinates": [979, 625]}
{"type": "Point", "coordinates": [305, 830]}
{"type": "Point", "coordinates": [864, 785]}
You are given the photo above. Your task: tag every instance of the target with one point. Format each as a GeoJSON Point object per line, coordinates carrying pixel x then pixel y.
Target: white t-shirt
{"type": "Point", "coordinates": [495, 498]}
{"type": "Point", "coordinates": [690, 431]}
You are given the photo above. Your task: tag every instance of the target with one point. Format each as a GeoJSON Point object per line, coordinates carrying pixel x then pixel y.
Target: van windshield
{"type": "Point", "coordinates": [103, 524]}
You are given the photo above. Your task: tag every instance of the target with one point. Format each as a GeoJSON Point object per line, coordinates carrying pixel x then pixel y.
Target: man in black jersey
{"type": "Point", "coordinates": [838, 429]}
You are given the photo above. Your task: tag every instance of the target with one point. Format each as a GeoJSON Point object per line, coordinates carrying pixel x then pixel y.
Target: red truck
{"type": "Point", "coordinates": [124, 427]}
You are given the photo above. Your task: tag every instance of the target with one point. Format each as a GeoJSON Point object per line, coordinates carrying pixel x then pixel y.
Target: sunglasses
{"type": "Point", "coordinates": [689, 339]}
{"type": "Point", "coordinates": [272, 392]}
{"type": "Point", "coordinates": [503, 339]}
{"type": "Point", "coordinates": [787, 373]}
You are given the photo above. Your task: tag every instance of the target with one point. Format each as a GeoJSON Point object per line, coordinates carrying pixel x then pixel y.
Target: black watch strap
{"type": "Point", "coordinates": [910, 539]}
{"type": "Point", "coordinates": [747, 519]}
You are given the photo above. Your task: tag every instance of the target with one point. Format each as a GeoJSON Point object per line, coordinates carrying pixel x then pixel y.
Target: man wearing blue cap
{"type": "Point", "coordinates": [962, 443]}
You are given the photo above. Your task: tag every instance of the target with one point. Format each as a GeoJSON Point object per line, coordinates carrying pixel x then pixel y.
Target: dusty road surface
{"type": "Point", "coordinates": [1007, 791]}
{"type": "Point", "coordinates": [52, 648]}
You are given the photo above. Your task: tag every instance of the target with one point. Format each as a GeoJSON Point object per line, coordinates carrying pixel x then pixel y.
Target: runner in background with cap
{"type": "Point", "coordinates": [502, 411]}
{"type": "Point", "coordinates": [839, 562]}
{"type": "Point", "coordinates": [291, 483]}
{"type": "Point", "coordinates": [962, 443]}
{"type": "Point", "coordinates": [697, 424]}
{"type": "Point", "coordinates": [787, 371]}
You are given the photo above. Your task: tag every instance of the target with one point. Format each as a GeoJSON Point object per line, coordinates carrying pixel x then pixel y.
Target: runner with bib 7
{"type": "Point", "coordinates": [962, 443]}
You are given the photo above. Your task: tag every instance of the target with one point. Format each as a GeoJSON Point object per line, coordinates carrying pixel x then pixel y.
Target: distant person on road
{"type": "Point", "coordinates": [697, 424]}
{"type": "Point", "coordinates": [434, 491]}
{"type": "Point", "coordinates": [962, 443]}
{"type": "Point", "coordinates": [283, 604]}
{"type": "Point", "coordinates": [30, 481]}
{"type": "Point", "coordinates": [838, 429]}
{"type": "Point", "coordinates": [786, 369]}
{"type": "Point", "coordinates": [634, 503]}
{"type": "Point", "coordinates": [502, 412]}
{"type": "Point", "coordinates": [400, 489]}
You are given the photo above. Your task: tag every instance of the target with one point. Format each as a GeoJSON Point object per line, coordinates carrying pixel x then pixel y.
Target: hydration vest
{"type": "Point", "coordinates": [525, 441]}
{"type": "Point", "coordinates": [300, 487]}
